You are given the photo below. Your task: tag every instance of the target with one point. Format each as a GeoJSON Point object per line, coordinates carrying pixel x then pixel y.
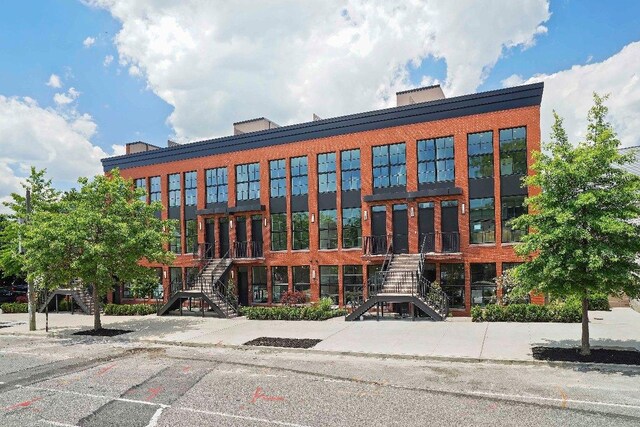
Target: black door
{"type": "Point", "coordinates": [378, 230]}
{"type": "Point", "coordinates": [256, 236]}
{"type": "Point", "coordinates": [426, 230]}
{"type": "Point", "coordinates": [243, 286]}
{"type": "Point", "coordinates": [209, 237]}
{"type": "Point", "coordinates": [223, 235]}
{"type": "Point", "coordinates": [241, 237]}
{"type": "Point", "coordinates": [400, 229]}
{"type": "Point", "coordinates": [449, 224]}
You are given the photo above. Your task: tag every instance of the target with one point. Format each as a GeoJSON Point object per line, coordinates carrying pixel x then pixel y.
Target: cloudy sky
{"type": "Point", "coordinates": [79, 79]}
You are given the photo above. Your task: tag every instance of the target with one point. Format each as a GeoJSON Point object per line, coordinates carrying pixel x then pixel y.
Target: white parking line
{"type": "Point", "coordinates": [240, 417]}
{"type": "Point", "coordinates": [55, 423]}
{"type": "Point", "coordinates": [153, 422]}
{"type": "Point", "coordinates": [96, 396]}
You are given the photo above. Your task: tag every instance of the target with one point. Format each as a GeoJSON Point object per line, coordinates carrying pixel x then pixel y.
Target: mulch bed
{"type": "Point", "coordinates": [283, 342]}
{"type": "Point", "coordinates": [598, 355]}
{"type": "Point", "coordinates": [103, 332]}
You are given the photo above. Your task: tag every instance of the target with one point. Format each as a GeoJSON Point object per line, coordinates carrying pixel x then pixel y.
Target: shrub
{"type": "Point", "coordinates": [555, 312]}
{"type": "Point", "coordinates": [316, 312]}
{"type": "Point", "coordinates": [292, 298]}
{"type": "Point", "coordinates": [129, 309]}
{"type": "Point", "coordinates": [598, 301]}
{"type": "Point", "coordinates": [14, 307]}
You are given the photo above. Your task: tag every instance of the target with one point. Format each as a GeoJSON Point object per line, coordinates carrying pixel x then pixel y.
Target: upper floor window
{"type": "Point", "coordinates": [300, 230]}
{"type": "Point", "coordinates": [350, 169]}
{"type": "Point", "coordinates": [278, 178]}
{"type": "Point", "coordinates": [436, 160]}
{"type": "Point", "coordinates": [299, 178]}
{"type": "Point", "coordinates": [279, 232]}
{"type": "Point", "coordinates": [389, 166]}
{"type": "Point", "coordinates": [142, 183]}
{"type": "Point", "coordinates": [327, 172]}
{"type": "Point", "coordinates": [482, 222]}
{"type": "Point", "coordinates": [351, 228]}
{"type": "Point", "coordinates": [174, 189]}
{"type": "Point", "coordinates": [217, 187]}
{"type": "Point", "coordinates": [155, 191]}
{"type": "Point", "coordinates": [190, 188]}
{"type": "Point", "coordinates": [480, 151]}
{"type": "Point", "coordinates": [513, 151]}
{"type": "Point", "coordinates": [248, 181]}
{"type": "Point", "coordinates": [328, 225]}
{"type": "Point", "coordinates": [512, 207]}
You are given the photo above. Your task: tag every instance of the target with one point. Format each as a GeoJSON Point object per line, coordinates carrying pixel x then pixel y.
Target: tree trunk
{"type": "Point", "coordinates": [96, 309]}
{"type": "Point", "coordinates": [585, 350]}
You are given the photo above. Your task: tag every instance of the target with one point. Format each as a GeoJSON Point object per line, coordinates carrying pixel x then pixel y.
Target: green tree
{"type": "Point", "coordinates": [582, 240]}
{"type": "Point", "coordinates": [144, 286]}
{"type": "Point", "coordinates": [97, 234]}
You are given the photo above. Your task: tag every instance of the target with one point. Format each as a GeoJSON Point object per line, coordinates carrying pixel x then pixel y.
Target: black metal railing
{"type": "Point", "coordinates": [376, 282]}
{"type": "Point", "coordinates": [427, 242]}
{"type": "Point", "coordinates": [250, 249]}
{"type": "Point", "coordinates": [450, 241]}
{"type": "Point", "coordinates": [376, 245]}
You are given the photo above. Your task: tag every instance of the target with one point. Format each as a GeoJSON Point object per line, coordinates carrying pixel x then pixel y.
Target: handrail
{"type": "Point", "coordinates": [378, 280]}
{"type": "Point", "coordinates": [450, 241]}
{"type": "Point", "coordinates": [246, 249]}
{"type": "Point", "coordinates": [376, 245]}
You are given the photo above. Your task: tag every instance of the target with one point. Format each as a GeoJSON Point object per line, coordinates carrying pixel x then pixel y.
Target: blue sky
{"type": "Point", "coordinates": [188, 70]}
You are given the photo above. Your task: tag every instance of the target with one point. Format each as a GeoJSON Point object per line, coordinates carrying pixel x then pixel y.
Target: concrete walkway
{"type": "Point", "coordinates": [458, 338]}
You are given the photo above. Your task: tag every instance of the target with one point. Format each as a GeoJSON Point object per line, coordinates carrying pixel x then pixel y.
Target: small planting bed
{"type": "Point", "coordinates": [283, 342]}
{"type": "Point", "coordinates": [103, 332]}
{"type": "Point", "coordinates": [598, 355]}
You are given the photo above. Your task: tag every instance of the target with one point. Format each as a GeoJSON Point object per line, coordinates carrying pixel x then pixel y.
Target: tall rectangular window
{"type": "Point", "coordinates": [512, 207]}
{"type": "Point", "coordinates": [259, 284]}
{"type": "Point", "coordinates": [191, 236]}
{"type": "Point", "coordinates": [278, 178]}
{"type": "Point", "coordinates": [482, 222]}
{"type": "Point", "coordinates": [327, 172]}
{"type": "Point", "coordinates": [351, 228]}
{"type": "Point", "coordinates": [301, 282]}
{"type": "Point", "coordinates": [175, 242]}
{"type": "Point", "coordinates": [217, 185]}
{"type": "Point", "coordinates": [299, 178]}
{"type": "Point", "coordinates": [329, 282]}
{"type": "Point", "coordinates": [190, 188]}
{"type": "Point", "coordinates": [389, 166]}
{"type": "Point", "coordinates": [174, 190]}
{"type": "Point", "coordinates": [350, 169]}
{"type": "Point", "coordinates": [279, 232]}
{"type": "Point", "coordinates": [300, 230]}
{"type": "Point", "coordinates": [436, 160]}
{"type": "Point", "coordinates": [480, 151]}
{"type": "Point", "coordinates": [328, 224]}
{"type": "Point", "coordinates": [279, 282]}
{"type": "Point", "coordinates": [248, 181]}
{"type": "Point", "coordinates": [483, 285]}
{"type": "Point", "coordinates": [175, 278]}
{"type": "Point", "coordinates": [142, 183]}
{"type": "Point", "coordinates": [452, 282]}
{"type": "Point", "coordinates": [513, 151]}
{"type": "Point", "coordinates": [352, 284]}
{"type": "Point", "coordinates": [155, 193]}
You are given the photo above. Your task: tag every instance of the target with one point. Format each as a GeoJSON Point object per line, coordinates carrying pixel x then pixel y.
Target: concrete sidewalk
{"type": "Point", "coordinates": [459, 338]}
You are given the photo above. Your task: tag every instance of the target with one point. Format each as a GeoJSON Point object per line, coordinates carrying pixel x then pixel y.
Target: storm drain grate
{"type": "Point", "coordinates": [283, 342]}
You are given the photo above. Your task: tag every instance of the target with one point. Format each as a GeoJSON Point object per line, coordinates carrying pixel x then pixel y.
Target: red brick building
{"type": "Point", "coordinates": [315, 206]}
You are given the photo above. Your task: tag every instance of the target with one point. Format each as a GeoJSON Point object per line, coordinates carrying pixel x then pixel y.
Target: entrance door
{"type": "Point", "coordinates": [256, 236]}
{"type": "Point", "coordinates": [400, 229]}
{"type": "Point", "coordinates": [209, 237]}
{"type": "Point", "coordinates": [223, 233]}
{"type": "Point", "coordinates": [241, 237]}
{"type": "Point", "coordinates": [243, 286]}
{"type": "Point", "coordinates": [449, 224]}
{"type": "Point", "coordinates": [378, 230]}
{"type": "Point", "coordinates": [426, 230]}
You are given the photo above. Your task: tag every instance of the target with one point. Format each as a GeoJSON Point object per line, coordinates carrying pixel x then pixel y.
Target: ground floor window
{"type": "Point", "coordinates": [372, 271]}
{"type": "Point", "coordinates": [301, 279]}
{"type": "Point", "coordinates": [279, 282]}
{"type": "Point", "coordinates": [159, 292]}
{"type": "Point", "coordinates": [175, 275]}
{"type": "Point", "coordinates": [192, 275]}
{"type": "Point", "coordinates": [259, 284]}
{"type": "Point", "coordinates": [352, 284]}
{"type": "Point", "coordinates": [191, 236]}
{"type": "Point", "coordinates": [483, 285]}
{"type": "Point", "coordinates": [329, 282]}
{"type": "Point", "coordinates": [175, 242]}
{"type": "Point", "coordinates": [452, 282]}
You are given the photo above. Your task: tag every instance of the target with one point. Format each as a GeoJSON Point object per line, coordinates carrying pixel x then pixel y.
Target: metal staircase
{"type": "Point", "coordinates": [401, 280]}
{"type": "Point", "coordinates": [78, 294]}
{"type": "Point", "coordinates": [208, 288]}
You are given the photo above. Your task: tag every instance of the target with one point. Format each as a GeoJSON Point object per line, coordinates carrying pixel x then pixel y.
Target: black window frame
{"type": "Point", "coordinates": [483, 277]}
{"type": "Point", "coordinates": [480, 154]}
{"type": "Point", "coordinates": [141, 183]}
{"type": "Point", "coordinates": [389, 168]}
{"type": "Point", "coordinates": [486, 220]}
{"type": "Point", "coordinates": [299, 175]}
{"type": "Point", "coordinates": [510, 210]}
{"type": "Point", "coordinates": [259, 284]}
{"type": "Point", "coordinates": [327, 172]}
{"type": "Point", "coordinates": [352, 287]}
{"type": "Point", "coordinates": [279, 282]}
{"type": "Point", "coordinates": [298, 273]}
{"type": "Point", "coordinates": [214, 186]}
{"type": "Point", "coordinates": [155, 189]}
{"type": "Point", "coordinates": [453, 285]}
{"type": "Point", "coordinates": [351, 229]}
{"type": "Point", "coordinates": [300, 231]}
{"type": "Point", "coordinates": [434, 159]}
{"type": "Point", "coordinates": [248, 174]}
{"type": "Point", "coordinates": [350, 170]}
{"type": "Point", "coordinates": [278, 231]}
{"type": "Point", "coordinates": [191, 188]}
{"type": "Point", "coordinates": [510, 149]}
{"type": "Point", "coordinates": [191, 236]}
{"type": "Point", "coordinates": [330, 282]}
{"type": "Point", "coordinates": [328, 229]}
{"type": "Point", "coordinates": [175, 189]}
{"type": "Point", "coordinates": [277, 178]}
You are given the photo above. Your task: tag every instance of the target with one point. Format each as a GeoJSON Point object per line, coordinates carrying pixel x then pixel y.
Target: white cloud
{"type": "Point", "coordinates": [45, 138]}
{"type": "Point", "coordinates": [220, 62]}
{"type": "Point", "coordinates": [66, 98]}
{"type": "Point", "coordinates": [88, 42]}
{"type": "Point", "coordinates": [119, 150]}
{"type": "Point", "coordinates": [54, 81]}
{"type": "Point", "coordinates": [107, 60]}
{"type": "Point", "coordinates": [570, 92]}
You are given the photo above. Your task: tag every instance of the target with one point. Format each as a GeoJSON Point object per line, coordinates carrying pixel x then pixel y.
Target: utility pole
{"type": "Point", "coordinates": [31, 294]}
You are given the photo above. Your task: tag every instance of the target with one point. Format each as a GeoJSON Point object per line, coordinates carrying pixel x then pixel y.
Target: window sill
{"type": "Point", "coordinates": [482, 245]}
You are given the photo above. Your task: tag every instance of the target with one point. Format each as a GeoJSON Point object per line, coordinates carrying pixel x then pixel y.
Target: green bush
{"type": "Point", "coordinates": [321, 311]}
{"type": "Point", "coordinates": [555, 312]}
{"type": "Point", "coordinates": [129, 309]}
{"type": "Point", "coordinates": [14, 307]}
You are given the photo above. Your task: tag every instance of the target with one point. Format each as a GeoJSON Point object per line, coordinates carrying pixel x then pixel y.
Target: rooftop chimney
{"type": "Point", "coordinates": [421, 94]}
{"type": "Point", "coordinates": [253, 125]}
{"type": "Point", "coordinates": [139, 147]}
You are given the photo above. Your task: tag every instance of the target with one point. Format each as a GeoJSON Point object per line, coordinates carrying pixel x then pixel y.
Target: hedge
{"type": "Point", "coordinates": [555, 312]}
{"type": "Point", "coordinates": [291, 313]}
{"type": "Point", "coordinates": [129, 309]}
{"type": "Point", "coordinates": [14, 307]}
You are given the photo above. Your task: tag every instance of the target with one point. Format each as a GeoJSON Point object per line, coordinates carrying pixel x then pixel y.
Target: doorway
{"type": "Point", "coordinates": [243, 286]}
{"type": "Point", "coordinates": [223, 233]}
{"type": "Point", "coordinates": [400, 229]}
